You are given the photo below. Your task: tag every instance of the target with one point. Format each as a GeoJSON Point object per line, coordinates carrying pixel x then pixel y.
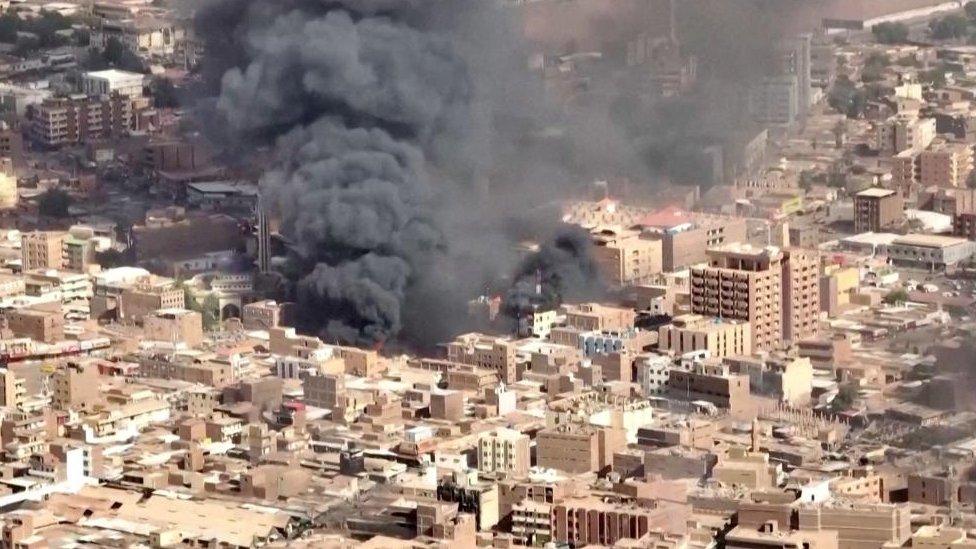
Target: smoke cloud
{"type": "Point", "coordinates": [412, 148]}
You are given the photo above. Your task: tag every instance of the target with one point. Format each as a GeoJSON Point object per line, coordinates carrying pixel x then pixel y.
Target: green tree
{"type": "Point", "coordinates": [846, 396]}
{"type": "Point", "coordinates": [935, 77]}
{"type": "Point", "coordinates": [210, 310]}
{"type": "Point", "coordinates": [896, 297]}
{"type": "Point", "coordinates": [118, 55]}
{"type": "Point", "coordinates": [54, 203]}
{"type": "Point", "coordinates": [890, 33]}
{"type": "Point", "coordinates": [949, 27]}
{"type": "Point", "coordinates": [845, 97]}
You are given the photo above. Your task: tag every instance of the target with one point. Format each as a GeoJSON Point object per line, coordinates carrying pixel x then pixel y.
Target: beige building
{"type": "Point", "coordinates": [860, 526]}
{"type": "Point", "coordinates": [904, 132]}
{"type": "Point", "coordinates": [504, 451]}
{"type": "Point", "coordinates": [8, 184]}
{"type": "Point", "coordinates": [40, 325]}
{"type": "Point", "coordinates": [174, 325]}
{"type": "Point", "coordinates": [742, 283]}
{"type": "Point", "coordinates": [801, 294]}
{"type": "Point", "coordinates": [576, 448]}
{"type": "Point", "coordinates": [743, 468]}
{"type": "Point", "coordinates": [946, 165]}
{"type": "Point", "coordinates": [771, 536]}
{"type": "Point", "coordinates": [75, 385]}
{"type": "Point", "coordinates": [713, 381]}
{"type": "Point", "coordinates": [42, 250]}
{"type": "Point", "coordinates": [942, 537]}
{"type": "Point", "coordinates": [484, 351]}
{"type": "Point", "coordinates": [720, 337]}
{"type": "Point", "coordinates": [626, 259]}
{"type": "Point", "coordinates": [877, 209]}
{"type": "Point", "coordinates": [148, 296]}
{"type": "Point", "coordinates": [588, 317]}
{"type": "Point", "coordinates": [14, 390]}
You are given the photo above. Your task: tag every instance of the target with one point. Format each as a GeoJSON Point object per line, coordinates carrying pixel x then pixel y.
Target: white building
{"type": "Point", "coordinates": [112, 80]}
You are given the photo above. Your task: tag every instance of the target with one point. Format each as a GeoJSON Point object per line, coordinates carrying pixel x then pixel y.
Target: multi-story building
{"type": "Point", "coordinates": [742, 283]}
{"type": "Point", "coordinates": [774, 100]}
{"type": "Point", "coordinates": [930, 251]}
{"type": "Point", "coordinates": [147, 296]}
{"type": "Point", "coordinates": [624, 258]}
{"type": "Point", "coordinates": [684, 244]}
{"type": "Point", "coordinates": [904, 132]}
{"type": "Point", "coordinates": [493, 353]}
{"type": "Point", "coordinates": [876, 209]}
{"type": "Point", "coordinates": [174, 325]}
{"type": "Point", "coordinates": [41, 250]}
{"type": "Point", "coordinates": [97, 83]}
{"type": "Point", "coordinates": [261, 315]}
{"type": "Point", "coordinates": [947, 165]}
{"type": "Point", "coordinates": [720, 337]}
{"type": "Point", "coordinates": [75, 385]}
{"type": "Point", "coordinates": [81, 119]}
{"type": "Point", "coordinates": [801, 294]}
{"type": "Point", "coordinates": [12, 388]}
{"type": "Point", "coordinates": [596, 317]}
{"type": "Point", "coordinates": [40, 325]}
{"type": "Point", "coordinates": [713, 382]}
{"type": "Point", "coordinates": [860, 526]}
{"type": "Point", "coordinates": [577, 448]}
{"type": "Point", "coordinates": [504, 451]}
{"type": "Point", "coordinates": [8, 184]}
{"type": "Point", "coordinates": [593, 521]}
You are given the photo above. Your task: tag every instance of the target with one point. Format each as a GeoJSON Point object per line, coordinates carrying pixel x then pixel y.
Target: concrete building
{"type": "Point", "coordinates": [933, 252]}
{"type": "Point", "coordinates": [576, 448]}
{"type": "Point", "coordinates": [75, 385]}
{"type": "Point", "coordinates": [742, 283]}
{"type": "Point", "coordinates": [174, 325]}
{"type": "Point", "coordinates": [946, 165]}
{"type": "Point", "coordinates": [589, 317]}
{"type": "Point", "coordinates": [447, 405]}
{"type": "Point", "coordinates": [325, 391]}
{"type": "Point", "coordinates": [904, 132]}
{"type": "Point", "coordinates": [801, 294]}
{"type": "Point", "coordinates": [860, 526]}
{"type": "Point", "coordinates": [493, 353]}
{"type": "Point", "coordinates": [720, 337]}
{"type": "Point", "coordinates": [261, 315]}
{"type": "Point", "coordinates": [96, 83]}
{"type": "Point", "coordinates": [504, 451]}
{"type": "Point", "coordinates": [774, 101]}
{"type": "Point", "coordinates": [141, 299]}
{"type": "Point", "coordinates": [770, 536]}
{"type": "Point", "coordinates": [41, 250]}
{"type": "Point", "coordinates": [624, 258]}
{"type": "Point", "coordinates": [684, 244]}
{"type": "Point", "coordinates": [42, 325]}
{"type": "Point", "coordinates": [877, 209]}
{"type": "Point", "coordinates": [12, 388]}
{"type": "Point", "coordinates": [787, 379]}
{"type": "Point", "coordinates": [80, 119]}
{"type": "Point", "coordinates": [712, 381]}
{"type": "Point", "coordinates": [592, 521]}
{"type": "Point", "coordinates": [8, 184]}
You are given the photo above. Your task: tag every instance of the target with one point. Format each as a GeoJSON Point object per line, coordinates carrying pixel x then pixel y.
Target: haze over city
{"type": "Point", "coordinates": [430, 274]}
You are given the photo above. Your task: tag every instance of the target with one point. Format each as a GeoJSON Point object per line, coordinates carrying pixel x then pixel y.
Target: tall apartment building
{"type": "Point", "coordinates": [904, 171]}
{"type": "Point", "coordinates": [504, 451]}
{"type": "Point", "coordinates": [904, 132]}
{"type": "Point", "coordinates": [41, 250]}
{"type": "Point", "coordinates": [774, 100]}
{"type": "Point", "coordinates": [742, 282]}
{"type": "Point", "coordinates": [597, 522]}
{"type": "Point", "coordinates": [577, 448]}
{"type": "Point", "coordinates": [795, 60]}
{"type": "Point", "coordinates": [147, 296]}
{"type": "Point", "coordinates": [80, 119]}
{"type": "Point", "coordinates": [947, 165]}
{"type": "Point", "coordinates": [720, 337]}
{"type": "Point", "coordinates": [13, 388]}
{"type": "Point", "coordinates": [801, 294]}
{"type": "Point", "coordinates": [624, 258]}
{"type": "Point", "coordinates": [876, 209]}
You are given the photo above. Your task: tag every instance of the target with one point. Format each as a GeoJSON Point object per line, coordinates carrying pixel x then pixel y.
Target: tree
{"type": "Point", "coordinates": [844, 399]}
{"type": "Point", "coordinates": [118, 55]}
{"type": "Point", "coordinates": [949, 27]}
{"type": "Point", "coordinates": [845, 97]}
{"type": "Point", "coordinates": [896, 297]}
{"type": "Point", "coordinates": [874, 67]}
{"type": "Point", "coordinates": [935, 77]}
{"type": "Point", "coordinates": [54, 203]}
{"type": "Point", "coordinates": [210, 310]}
{"type": "Point", "coordinates": [890, 33]}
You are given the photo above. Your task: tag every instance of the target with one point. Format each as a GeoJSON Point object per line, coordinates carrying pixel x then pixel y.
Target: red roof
{"type": "Point", "coordinates": [666, 218]}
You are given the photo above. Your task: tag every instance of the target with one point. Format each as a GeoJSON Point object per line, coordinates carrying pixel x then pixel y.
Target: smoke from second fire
{"type": "Point", "coordinates": [384, 118]}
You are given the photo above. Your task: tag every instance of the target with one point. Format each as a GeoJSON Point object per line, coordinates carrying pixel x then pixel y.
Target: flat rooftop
{"type": "Point", "coordinates": [930, 240]}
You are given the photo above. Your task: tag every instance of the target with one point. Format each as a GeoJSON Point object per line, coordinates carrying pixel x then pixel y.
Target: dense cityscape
{"type": "Point", "coordinates": [659, 274]}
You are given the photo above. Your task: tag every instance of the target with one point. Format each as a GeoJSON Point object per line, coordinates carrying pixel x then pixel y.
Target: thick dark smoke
{"type": "Point", "coordinates": [412, 147]}
{"type": "Point", "coordinates": [562, 269]}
